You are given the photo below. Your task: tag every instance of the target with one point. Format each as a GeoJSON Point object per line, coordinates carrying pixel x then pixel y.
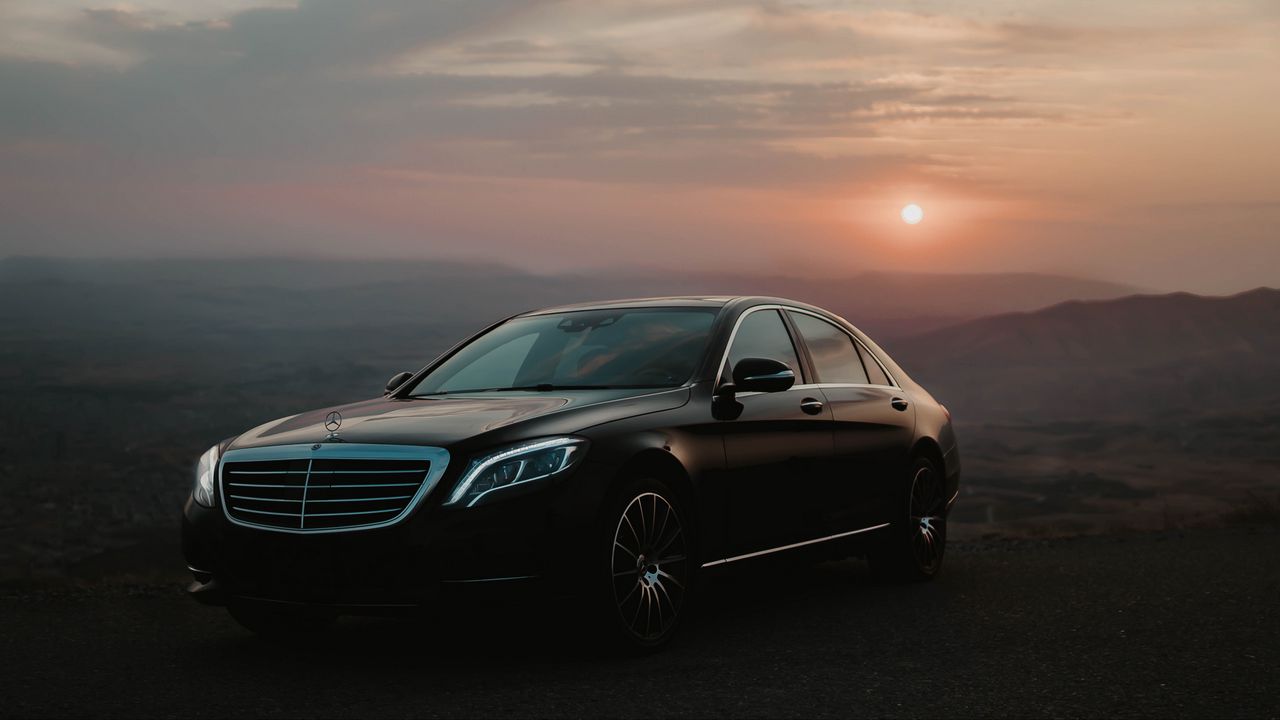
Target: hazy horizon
{"type": "Point", "coordinates": [1129, 143]}
{"type": "Point", "coordinates": [631, 270]}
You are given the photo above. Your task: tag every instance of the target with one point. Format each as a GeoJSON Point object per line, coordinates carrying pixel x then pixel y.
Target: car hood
{"type": "Point", "coordinates": [442, 421]}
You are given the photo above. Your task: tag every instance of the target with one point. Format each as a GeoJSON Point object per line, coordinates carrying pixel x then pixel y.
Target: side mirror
{"type": "Point", "coordinates": [762, 375]}
{"type": "Point", "coordinates": [396, 381]}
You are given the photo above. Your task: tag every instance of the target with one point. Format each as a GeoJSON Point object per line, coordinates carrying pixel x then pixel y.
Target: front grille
{"type": "Point", "coordinates": [321, 493]}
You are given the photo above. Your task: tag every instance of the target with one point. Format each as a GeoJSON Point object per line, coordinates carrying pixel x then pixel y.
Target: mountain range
{"type": "Point", "coordinates": [1018, 347]}
{"type": "Point", "coordinates": [294, 293]}
{"type": "Point", "coordinates": [1139, 356]}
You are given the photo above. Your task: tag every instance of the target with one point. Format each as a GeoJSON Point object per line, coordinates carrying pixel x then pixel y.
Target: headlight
{"type": "Point", "coordinates": [514, 465]}
{"type": "Point", "coordinates": [206, 473]}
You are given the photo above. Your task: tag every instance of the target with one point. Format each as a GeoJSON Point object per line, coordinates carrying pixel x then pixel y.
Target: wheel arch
{"type": "Point", "coordinates": [929, 448]}
{"type": "Point", "coordinates": [662, 465]}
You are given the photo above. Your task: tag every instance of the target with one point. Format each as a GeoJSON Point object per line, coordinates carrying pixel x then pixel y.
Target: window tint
{"type": "Point", "coordinates": [649, 347]}
{"type": "Point", "coordinates": [834, 356]}
{"type": "Point", "coordinates": [874, 371]}
{"type": "Point", "coordinates": [762, 335]}
{"type": "Point", "coordinates": [493, 369]}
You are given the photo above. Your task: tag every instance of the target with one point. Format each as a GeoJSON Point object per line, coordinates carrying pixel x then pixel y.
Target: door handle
{"type": "Point", "coordinates": [898, 404]}
{"type": "Point", "coordinates": [811, 406]}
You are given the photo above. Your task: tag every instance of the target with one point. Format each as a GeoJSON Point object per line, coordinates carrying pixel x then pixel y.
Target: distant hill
{"type": "Point", "coordinates": [1136, 356]}
{"type": "Point", "coordinates": [285, 291]}
{"type": "Point", "coordinates": [915, 295]}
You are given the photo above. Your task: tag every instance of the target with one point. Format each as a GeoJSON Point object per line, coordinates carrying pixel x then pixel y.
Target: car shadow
{"type": "Point", "coordinates": [743, 608]}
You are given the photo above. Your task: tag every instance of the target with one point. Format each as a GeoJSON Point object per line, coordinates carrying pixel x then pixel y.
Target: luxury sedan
{"type": "Point", "coordinates": [613, 453]}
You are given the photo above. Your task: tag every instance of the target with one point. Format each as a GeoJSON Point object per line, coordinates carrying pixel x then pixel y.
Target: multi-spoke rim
{"type": "Point", "coordinates": [650, 566]}
{"type": "Point", "coordinates": [928, 520]}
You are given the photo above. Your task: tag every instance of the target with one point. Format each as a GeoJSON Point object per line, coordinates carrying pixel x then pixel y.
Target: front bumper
{"type": "Point", "coordinates": [538, 533]}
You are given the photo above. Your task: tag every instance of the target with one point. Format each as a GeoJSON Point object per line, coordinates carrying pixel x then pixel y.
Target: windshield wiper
{"type": "Point", "coordinates": [548, 387]}
{"type": "Point", "coordinates": [540, 387]}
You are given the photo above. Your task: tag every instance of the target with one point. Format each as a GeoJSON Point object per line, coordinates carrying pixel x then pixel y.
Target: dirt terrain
{"type": "Point", "coordinates": [1147, 625]}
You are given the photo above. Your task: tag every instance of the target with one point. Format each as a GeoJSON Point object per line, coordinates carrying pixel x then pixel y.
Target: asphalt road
{"type": "Point", "coordinates": [1151, 625]}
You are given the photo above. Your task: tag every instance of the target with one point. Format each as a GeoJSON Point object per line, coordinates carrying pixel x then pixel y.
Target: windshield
{"type": "Point", "coordinates": [621, 348]}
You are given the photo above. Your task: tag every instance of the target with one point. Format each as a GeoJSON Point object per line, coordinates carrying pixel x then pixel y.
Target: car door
{"type": "Point", "coordinates": [773, 445]}
{"type": "Point", "coordinates": [873, 425]}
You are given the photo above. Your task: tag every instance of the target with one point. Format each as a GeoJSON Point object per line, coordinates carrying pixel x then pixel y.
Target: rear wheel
{"type": "Point", "coordinates": [913, 546]}
{"type": "Point", "coordinates": [650, 565]}
{"type": "Point", "coordinates": [281, 622]}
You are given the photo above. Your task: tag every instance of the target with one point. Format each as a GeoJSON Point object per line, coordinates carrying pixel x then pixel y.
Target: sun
{"type": "Point", "coordinates": [912, 214]}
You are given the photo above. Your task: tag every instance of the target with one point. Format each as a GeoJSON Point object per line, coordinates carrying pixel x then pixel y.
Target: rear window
{"type": "Point", "coordinates": [875, 373]}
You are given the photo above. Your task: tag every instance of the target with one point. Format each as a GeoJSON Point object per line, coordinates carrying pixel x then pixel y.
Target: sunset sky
{"type": "Point", "coordinates": [1134, 141]}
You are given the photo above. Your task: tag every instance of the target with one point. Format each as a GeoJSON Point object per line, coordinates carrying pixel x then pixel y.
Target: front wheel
{"type": "Point", "coordinates": [650, 565]}
{"type": "Point", "coordinates": [914, 544]}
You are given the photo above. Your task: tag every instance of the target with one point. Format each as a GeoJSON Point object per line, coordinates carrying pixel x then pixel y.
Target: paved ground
{"type": "Point", "coordinates": [1153, 625]}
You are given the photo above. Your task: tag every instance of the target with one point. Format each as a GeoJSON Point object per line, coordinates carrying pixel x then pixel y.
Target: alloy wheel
{"type": "Point", "coordinates": [650, 567]}
{"type": "Point", "coordinates": [928, 520]}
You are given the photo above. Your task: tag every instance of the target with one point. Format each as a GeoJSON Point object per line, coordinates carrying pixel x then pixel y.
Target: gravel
{"type": "Point", "coordinates": [1155, 625]}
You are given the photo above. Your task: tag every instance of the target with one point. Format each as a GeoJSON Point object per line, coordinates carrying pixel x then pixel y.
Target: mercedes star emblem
{"type": "Point", "coordinates": [333, 421]}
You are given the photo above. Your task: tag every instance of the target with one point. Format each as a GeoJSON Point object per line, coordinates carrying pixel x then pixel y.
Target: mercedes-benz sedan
{"type": "Point", "coordinates": [617, 450]}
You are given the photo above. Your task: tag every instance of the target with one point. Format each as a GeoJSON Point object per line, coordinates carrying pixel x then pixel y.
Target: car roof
{"type": "Point", "coordinates": [706, 301]}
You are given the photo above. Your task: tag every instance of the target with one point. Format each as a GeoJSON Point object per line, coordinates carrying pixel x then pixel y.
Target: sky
{"type": "Point", "coordinates": [1129, 141]}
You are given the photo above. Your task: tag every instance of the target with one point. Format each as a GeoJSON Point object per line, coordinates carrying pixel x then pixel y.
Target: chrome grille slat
{"type": "Point", "coordinates": [364, 485]}
{"type": "Point", "coordinates": [372, 499]}
{"type": "Point", "coordinates": [361, 472]}
{"type": "Point", "coordinates": [265, 512]}
{"type": "Point", "coordinates": [327, 487]}
{"type": "Point", "coordinates": [363, 512]}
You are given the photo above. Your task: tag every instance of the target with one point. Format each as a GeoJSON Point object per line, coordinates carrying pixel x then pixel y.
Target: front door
{"type": "Point", "coordinates": [774, 446]}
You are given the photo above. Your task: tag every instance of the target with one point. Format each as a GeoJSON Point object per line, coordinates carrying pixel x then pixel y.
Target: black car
{"type": "Point", "coordinates": [613, 452]}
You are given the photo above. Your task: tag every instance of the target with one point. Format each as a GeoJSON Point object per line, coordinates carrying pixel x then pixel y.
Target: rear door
{"type": "Point", "coordinates": [874, 425]}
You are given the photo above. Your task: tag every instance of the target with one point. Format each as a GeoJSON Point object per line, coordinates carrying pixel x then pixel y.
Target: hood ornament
{"type": "Point", "coordinates": [332, 422]}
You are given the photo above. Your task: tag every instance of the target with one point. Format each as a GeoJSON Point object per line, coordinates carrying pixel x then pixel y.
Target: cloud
{"type": "Point", "coordinates": [110, 113]}
{"type": "Point", "coordinates": [318, 84]}
{"type": "Point", "coordinates": [312, 37]}
{"type": "Point", "coordinates": [404, 82]}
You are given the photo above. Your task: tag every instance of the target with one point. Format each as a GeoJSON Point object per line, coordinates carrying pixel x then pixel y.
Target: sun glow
{"type": "Point", "coordinates": [912, 214]}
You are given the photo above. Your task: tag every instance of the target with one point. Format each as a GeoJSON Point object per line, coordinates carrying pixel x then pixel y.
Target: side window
{"type": "Point", "coordinates": [834, 356]}
{"type": "Point", "coordinates": [874, 371]}
{"type": "Point", "coordinates": [762, 335]}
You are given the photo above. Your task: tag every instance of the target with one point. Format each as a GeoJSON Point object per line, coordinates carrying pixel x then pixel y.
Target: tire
{"type": "Point", "coordinates": [647, 536]}
{"type": "Point", "coordinates": [282, 622]}
{"type": "Point", "coordinates": [915, 542]}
